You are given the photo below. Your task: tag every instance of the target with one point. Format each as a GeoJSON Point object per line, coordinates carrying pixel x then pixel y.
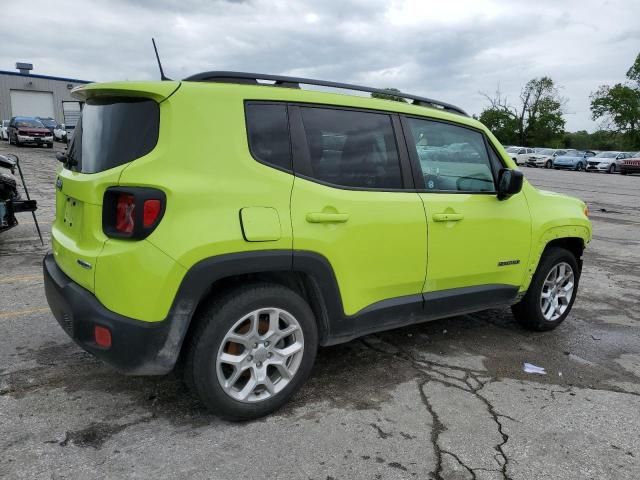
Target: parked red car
{"type": "Point", "coordinates": [23, 130]}
{"type": "Point", "coordinates": [631, 165]}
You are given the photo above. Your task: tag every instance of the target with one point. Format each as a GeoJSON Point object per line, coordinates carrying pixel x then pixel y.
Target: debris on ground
{"type": "Point", "coordinates": [531, 368]}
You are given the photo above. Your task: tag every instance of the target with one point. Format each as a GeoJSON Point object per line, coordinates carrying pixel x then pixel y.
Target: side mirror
{"type": "Point", "coordinates": [61, 157]}
{"type": "Point", "coordinates": [509, 183]}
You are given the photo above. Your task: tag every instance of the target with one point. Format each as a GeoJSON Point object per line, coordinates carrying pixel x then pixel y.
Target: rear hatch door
{"type": "Point", "coordinates": [119, 124]}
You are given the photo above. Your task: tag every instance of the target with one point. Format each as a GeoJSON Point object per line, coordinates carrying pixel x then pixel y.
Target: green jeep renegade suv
{"type": "Point", "coordinates": [232, 223]}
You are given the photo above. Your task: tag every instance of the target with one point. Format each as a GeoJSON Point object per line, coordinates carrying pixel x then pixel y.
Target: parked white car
{"type": "Point", "coordinates": [60, 133]}
{"type": "Point", "coordinates": [609, 162]}
{"type": "Point", "coordinates": [4, 135]}
{"type": "Point", "coordinates": [520, 155]}
{"type": "Point", "coordinates": [544, 157]}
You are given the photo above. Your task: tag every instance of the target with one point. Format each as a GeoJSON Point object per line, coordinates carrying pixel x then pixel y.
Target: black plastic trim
{"type": "Point", "coordinates": [152, 348]}
{"type": "Point", "coordinates": [294, 82]}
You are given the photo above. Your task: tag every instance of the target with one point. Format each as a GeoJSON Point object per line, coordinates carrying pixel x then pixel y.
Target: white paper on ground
{"type": "Point", "coordinates": [531, 368]}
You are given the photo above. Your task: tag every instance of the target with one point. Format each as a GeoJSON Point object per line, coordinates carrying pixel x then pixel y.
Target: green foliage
{"type": "Point", "coordinates": [502, 123]}
{"type": "Point", "coordinates": [619, 107]}
{"type": "Point", "coordinates": [390, 95]}
{"type": "Point", "coordinates": [536, 120]}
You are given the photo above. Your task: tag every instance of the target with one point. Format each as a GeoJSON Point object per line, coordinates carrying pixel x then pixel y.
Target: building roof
{"type": "Point", "coordinates": [45, 77]}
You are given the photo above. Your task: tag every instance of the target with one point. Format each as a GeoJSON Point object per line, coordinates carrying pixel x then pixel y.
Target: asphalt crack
{"type": "Point", "coordinates": [469, 383]}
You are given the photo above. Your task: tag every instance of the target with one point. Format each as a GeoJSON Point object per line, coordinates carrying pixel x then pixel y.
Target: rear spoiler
{"type": "Point", "coordinates": [158, 91]}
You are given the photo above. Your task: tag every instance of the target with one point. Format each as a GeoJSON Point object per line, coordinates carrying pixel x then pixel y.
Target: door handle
{"type": "Point", "coordinates": [447, 217]}
{"type": "Point", "coordinates": [321, 217]}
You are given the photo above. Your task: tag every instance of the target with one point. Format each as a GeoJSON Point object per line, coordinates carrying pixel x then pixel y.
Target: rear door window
{"type": "Point", "coordinates": [268, 132]}
{"type": "Point", "coordinates": [113, 131]}
{"type": "Point", "coordinates": [352, 148]}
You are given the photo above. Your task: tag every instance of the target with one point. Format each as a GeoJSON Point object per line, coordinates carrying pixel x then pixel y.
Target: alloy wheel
{"type": "Point", "coordinates": [557, 291]}
{"type": "Point", "coordinates": [260, 355]}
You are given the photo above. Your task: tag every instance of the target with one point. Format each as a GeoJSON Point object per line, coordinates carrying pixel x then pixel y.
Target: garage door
{"type": "Point", "coordinates": [71, 112]}
{"type": "Point", "coordinates": [31, 104]}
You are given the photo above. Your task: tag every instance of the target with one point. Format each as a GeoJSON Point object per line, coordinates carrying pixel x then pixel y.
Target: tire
{"type": "Point", "coordinates": [549, 164]}
{"type": "Point", "coordinates": [228, 314]}
{"type": "Point", "coordinates": [50, 145]}
{"type": "Point", "coordinates": [612, 168]}
{"type": "Point", "coordinates": [529, 311]}
{"type": "Point", "coordinates": [579, 167]}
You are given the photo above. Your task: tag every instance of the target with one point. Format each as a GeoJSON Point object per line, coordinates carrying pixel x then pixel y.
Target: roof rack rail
{"type": "Point", "coordinates": [294, 82]}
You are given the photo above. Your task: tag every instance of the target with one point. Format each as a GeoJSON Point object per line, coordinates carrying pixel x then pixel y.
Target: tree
{"type": "Point", "coordinates": [619, 107]}
{"type": "Point", "coordinates": [536, 120]}
{"type": "Point", "coordinates": [389, 96]}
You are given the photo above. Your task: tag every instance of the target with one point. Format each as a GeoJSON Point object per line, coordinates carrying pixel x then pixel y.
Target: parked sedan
{"type": "Point", "coordinates": [4, 135]}
{"type": "Point", "coordinates": [544, 157]}
{"type": "Point", "coordinates": [23, 130]}
{"type": "Point", "coordinates": [631, 165]}
{"type": "Point", "coordinates": [574, 160]}
{"type": "Point", "coordinates": [609, 162]}
{"type": "Point", "coordinates": [520, 154]}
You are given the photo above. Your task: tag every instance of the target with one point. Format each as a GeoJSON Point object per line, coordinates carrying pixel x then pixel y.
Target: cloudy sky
{"type": "Point", "coordinates": [446, 49]}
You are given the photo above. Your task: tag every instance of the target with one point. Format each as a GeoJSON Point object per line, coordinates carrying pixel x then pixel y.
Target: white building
{"type": "Point", "coordinates": [32, 95]}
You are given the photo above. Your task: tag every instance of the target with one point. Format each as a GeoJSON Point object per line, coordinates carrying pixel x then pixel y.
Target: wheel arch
{"type": "Point", "coordinates": [306, 273]}
{"type": "Point", "coordinates": [573, 238]}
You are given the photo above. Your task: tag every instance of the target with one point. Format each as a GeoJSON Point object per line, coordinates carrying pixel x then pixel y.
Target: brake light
{"type": "Point", "coordinates": [132, 212]}
{"type": "Point", "coordinates": [151, 212]}
{"type": "Point", "coordinates": [125, 210]}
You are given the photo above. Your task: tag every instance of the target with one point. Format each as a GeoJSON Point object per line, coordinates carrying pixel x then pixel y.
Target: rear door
{"type": "Point", "coordinates": [349, 203]}
{"type": "Point", "coordinates": [475, 240]}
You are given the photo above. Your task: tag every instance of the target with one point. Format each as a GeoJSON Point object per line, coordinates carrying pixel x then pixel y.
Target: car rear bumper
{"type": "Point", "coordinates": [630, 168]}
{"type": "Point", "coordinates": [137, 347]}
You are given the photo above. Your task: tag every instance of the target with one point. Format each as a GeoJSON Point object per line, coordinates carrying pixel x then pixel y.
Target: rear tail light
{"type": "Point", "coordinates": [132, 212]}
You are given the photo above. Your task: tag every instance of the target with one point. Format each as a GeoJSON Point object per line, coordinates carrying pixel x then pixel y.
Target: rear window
{"type": "Point", "coordinates": [113, 131]}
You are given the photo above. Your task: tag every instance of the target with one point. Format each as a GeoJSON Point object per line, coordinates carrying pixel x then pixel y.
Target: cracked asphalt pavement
{"type": "Point", "coordinates": [442, 400]}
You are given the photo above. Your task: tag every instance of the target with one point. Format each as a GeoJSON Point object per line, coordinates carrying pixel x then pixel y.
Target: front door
{"type": "Point", "coordinates": [349, 204]}
{"type": "Point", "coordinates": [474, 238]}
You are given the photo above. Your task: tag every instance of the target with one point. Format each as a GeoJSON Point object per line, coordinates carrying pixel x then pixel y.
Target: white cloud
{"type": "Point", "coordinates": [449, 50]}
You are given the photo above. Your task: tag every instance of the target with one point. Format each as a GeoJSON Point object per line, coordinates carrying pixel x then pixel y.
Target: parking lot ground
{"type": "Point", "coordinates": [443, 400]}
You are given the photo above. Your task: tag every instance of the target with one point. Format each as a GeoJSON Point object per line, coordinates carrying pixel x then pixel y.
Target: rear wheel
{"type": "Point", "coordinates": [612, 168]}
{"type": "Point", "coordinates": [252, 350]}
{"type": "Point", "coordinates": [580, 167]}
{"type": "Point", "coordinates": [551, 293]}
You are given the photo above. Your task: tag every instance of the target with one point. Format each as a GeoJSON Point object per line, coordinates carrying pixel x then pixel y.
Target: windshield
{"type": "Point", "coordinates": [113, 131]}
{"type": "Point", "coordinates": [546, 151]}
{"type": "Point", "coordinates": [513, 149]}
{"type": "Point", "coordinates": [29, 123]}
{"type": "Point", "coordinates": [48, 122]}
{"type": "Point", "coordinates": [607, 155]}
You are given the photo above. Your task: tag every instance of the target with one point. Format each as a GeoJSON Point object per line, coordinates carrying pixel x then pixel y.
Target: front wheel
{"type": "Point", "coordinates": [579, 167]}
{"type": "Point", "coordinates": [551, 293]}
{"type": "Point", "coordinates": [252, 350]}
{"type": "Point", "coordinates": [612, 168]}
{"type": "Point", "coordinates": [549, 164]}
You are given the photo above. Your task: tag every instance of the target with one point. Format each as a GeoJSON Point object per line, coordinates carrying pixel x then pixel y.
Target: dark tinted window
{"type": "Point", "coordinates": [113, 131]}
{"type": "Point", "coordinates": [452, 158]}
{"type": "Point", "coordinates": [268, 130]}
{"type": "Point", "coordinates": [354, 149]}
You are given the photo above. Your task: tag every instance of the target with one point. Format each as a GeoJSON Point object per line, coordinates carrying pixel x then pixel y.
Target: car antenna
{"type": "Point", "coordinates": [162, 75]}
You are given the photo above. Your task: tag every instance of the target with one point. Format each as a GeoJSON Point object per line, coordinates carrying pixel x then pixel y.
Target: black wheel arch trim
{"type": "Point", "coordinates": [321, 289]}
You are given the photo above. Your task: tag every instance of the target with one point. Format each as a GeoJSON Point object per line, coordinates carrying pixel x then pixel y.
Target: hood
{"type": "Point", "coordinates": [602, 160]}
{"type": "Point", "coordinates": [33, 130]}
{"type": "Point", "coordinates": [568, 159]}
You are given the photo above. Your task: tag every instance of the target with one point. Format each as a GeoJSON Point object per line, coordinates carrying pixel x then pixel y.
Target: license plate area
{"type": "Point", "coordinates": [72, 213]}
